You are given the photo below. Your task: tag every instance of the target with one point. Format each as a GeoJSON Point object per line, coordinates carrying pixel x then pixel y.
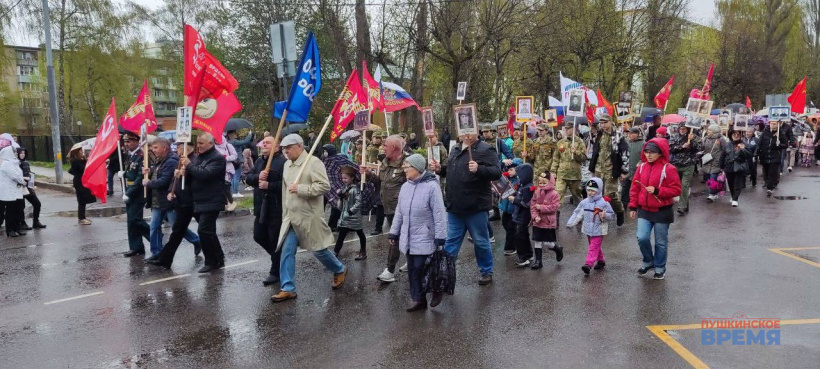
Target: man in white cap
{"type": "Point", "coordinates": [303, 217]}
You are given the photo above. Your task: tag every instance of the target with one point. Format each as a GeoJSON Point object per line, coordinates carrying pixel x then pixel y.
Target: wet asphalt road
{"type": "Point", "coordinates": [719, 264]}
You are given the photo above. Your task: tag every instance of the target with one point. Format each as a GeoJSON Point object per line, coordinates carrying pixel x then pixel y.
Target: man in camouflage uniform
{"type": "Point", "coordinates": [566, 163]}
{"type": "Point", "coordinates": [543, 149]}
{"type": "Point", "coordinates": [607, 162]}
{"type": "Point", "coordinates": [374, 148]}
{"type": "Point", "coordinates": [357, 152]}
{"type": "Point", "coordinates": [518, 146]}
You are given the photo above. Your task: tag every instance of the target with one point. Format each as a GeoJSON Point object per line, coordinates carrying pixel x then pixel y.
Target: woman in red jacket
{"type": "Point", "coordinates": [651, 199]}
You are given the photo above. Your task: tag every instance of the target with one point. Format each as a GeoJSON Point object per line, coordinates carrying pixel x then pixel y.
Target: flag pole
{"type": "Point", "coordinates": [364, 156]}
{"type": "Point", "coordinates": [145, 158]}
{"type": "Point", "coordinates": [277, 138]}
{"type": "Point", "coordinates": [119, 157]}
{"type": "Point", "coordinates": [184, 155]}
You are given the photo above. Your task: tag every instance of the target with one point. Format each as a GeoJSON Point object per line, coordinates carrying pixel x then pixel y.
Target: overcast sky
{"type": "Point", "coordinates": [700, 11]}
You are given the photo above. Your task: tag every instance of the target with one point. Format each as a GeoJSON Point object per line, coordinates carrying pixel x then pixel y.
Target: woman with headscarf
{"type": "Point", "coordinates": [715, 147]}
{"type": "Point", "coordinates": [12, 190]}
{"type": "Point", "coordinates": [651, 199]}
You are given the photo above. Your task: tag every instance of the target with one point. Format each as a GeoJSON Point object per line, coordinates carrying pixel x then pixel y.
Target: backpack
{"type": "Point", "coordinates": [663, 176]}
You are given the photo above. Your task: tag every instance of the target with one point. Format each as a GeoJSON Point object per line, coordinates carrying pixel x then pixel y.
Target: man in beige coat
{"type": "Point", "coordinates": [303, 222]}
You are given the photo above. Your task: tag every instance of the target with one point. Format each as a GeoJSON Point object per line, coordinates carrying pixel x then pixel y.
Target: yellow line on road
{"type": "Point", "coordinates": [795, 257]}
{"type": "Point", "coordinates": [74, 298]}
{"type": "Point", "coordinates": [165, 279]}
{"type": "Point", "coordinates": [660, 332]}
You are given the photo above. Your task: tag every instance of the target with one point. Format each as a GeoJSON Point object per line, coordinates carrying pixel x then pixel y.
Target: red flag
{"type": "Point", "coordinates": [142, 112]}
{"type": "Point", "coordinates": [707, 85]}
{"type": "Point", "coordinates": [798, 97]}
{"type": "Point", "coordinates": [375, 100]}
{"type": "Point", "coordinates": [204, 74]}
{"type": "Point", "coordinates": [212, 113]}
{"type": "Point", "coordinates": [511, 119]}
{"type": "Point", "coordinates": [590, 112]}
{"type": "Point", "coordinates": [610, 109]}
{"type": "Point", "coordinates": [96, 175]}
{"type": "Point", "coordinates": [663, 95]}
{"type": "Point", "coordinates": [749, 103]}
{"type": "Point", "coordinates": [352, 99]}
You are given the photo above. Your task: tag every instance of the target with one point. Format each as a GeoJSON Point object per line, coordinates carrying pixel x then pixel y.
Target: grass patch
{"type": "Point", "coordinates": [245, 203]}
{"type": "Point", "coordinates": [48, 164]}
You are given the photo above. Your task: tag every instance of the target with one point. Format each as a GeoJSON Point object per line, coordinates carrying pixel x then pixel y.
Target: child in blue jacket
{"type": "Point", "coordinates": [595, 212]}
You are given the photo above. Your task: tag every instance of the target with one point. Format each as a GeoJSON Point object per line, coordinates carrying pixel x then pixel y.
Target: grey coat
{"type": "Point", "coordinates": [350, 203]}
{"type": "Point", "coordinates": [420, 222]}
{"type": "Point", "coordinates": [718, 150]}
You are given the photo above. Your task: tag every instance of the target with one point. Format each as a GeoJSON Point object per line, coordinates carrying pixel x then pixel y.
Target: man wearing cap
{"type": "Point", "coordinates": [566, 163]}
{"type": "Point", "coordinates": [357, 153]}
{"type": "Point", "coordinates": [207, 174]}
{"type": "Point", "coordinates": [634, 143]}
{"type": "Point", "coordinates": [303, 214]}
{"type": "Point", "coordinates": [543, 149]}
{"type": "Point", "coordinates": [518, 146]}
{"type": "Point", "coordinates": [133, 197]}
{"type": "Point", "coordinates": [502, 148]}
{"type": "Point", "coordinates": [374, 147]}
{"type": "Point", "coordinates": [610, 161]}
{"type": "Point", "coordinates": [389, 181]}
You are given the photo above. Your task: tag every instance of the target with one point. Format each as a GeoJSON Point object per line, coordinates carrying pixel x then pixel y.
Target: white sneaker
{"type": "Point", "coordinates": [249, 188]}
{"type": "Point", "coordinates": [523, 263]}
{"type": "Point", "coordinates": [239, 195]}
{"type": "Point", "coordinates": [790, 169]}
{"type": "Point", "coordinates": [734, 204]}
{"type": "Point", "coordinates": [470, 239]}
{"type": "Point", "coordinates": [403, 268]}
{"type": "Point", "coordinates": [492, 239]}
{"type": "Point", "coordinates": [386, 276]}
{"type": "Point", "coordinates": [711, 198]}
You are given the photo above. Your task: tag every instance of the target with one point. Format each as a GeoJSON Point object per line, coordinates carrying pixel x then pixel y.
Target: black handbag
{"type": "Point", "coordinates": [440, 272]}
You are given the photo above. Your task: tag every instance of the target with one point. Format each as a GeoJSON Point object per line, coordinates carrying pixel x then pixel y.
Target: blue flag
{"type": "Point", "coordinates": [279, 109]}
{"type": "Point", "coordinates": [307, 83]}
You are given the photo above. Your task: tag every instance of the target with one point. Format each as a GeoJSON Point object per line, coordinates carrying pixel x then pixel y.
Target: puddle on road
{"type": "Point", "coordinates": [96, 213]}
{"type": "Point", "coordinates": [791, 197]}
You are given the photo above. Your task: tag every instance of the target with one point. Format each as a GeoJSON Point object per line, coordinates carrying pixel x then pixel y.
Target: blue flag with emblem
{"type": "Point", "coordinates": [306, 84]}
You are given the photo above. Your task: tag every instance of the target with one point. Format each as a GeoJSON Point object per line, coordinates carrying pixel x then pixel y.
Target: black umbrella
{"type": "Point", "coordinates": [293, 128]}
{"type": "Point", "coordinates": [649, 112]}
{"type": "Point", "coordinates": [738, 108]}
{"type": "Point", "coordinates": [235, 124]}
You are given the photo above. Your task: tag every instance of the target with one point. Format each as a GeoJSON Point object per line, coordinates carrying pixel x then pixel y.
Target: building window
{"type": "Point", "coordinates": [157, 92]}
{"type": "Point", "coordinates": [26, 70]}
{"type": "Point", "coordinates": [172, 94]}
{"type": "Point", "coordinates": [25, 55]}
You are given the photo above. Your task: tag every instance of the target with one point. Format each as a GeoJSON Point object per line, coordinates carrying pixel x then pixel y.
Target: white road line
{"type": "Point", "coordinates": [240, 264]}
{"type": "Point", "coordinates": [74, 298]}
{"type": "Point", "coordinates": [165, 279]}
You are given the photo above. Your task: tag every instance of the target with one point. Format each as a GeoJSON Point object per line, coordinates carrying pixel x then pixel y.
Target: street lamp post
{"type": "Point", "coordinates": [79, 131]}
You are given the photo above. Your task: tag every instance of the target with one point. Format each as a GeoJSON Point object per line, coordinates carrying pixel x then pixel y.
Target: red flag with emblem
{"type": "Point", "coordinates": [95, 176]}
{"type": "Point", "coordinates": [748, 103]}
{"type": "Point", "coordinates": [204, 75]}
{"type": "Point", "coordinates": [602, 102]}
{"type": "Point", "coordinates": [798, 97]}
{"type": "Point", "coordinates": [212, 113]}
{"type": "Point", "coordinates": [353, 99]}
{"type": "Point", "coordinates": [663, 95]}
{"type": "Point", "coordinates": [375, 100]}
{"type": "Point", "coordinates": [142, 112]}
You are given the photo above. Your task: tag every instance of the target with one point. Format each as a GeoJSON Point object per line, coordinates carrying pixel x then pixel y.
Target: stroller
{"type": "Point", "coordinates": [806, 149]}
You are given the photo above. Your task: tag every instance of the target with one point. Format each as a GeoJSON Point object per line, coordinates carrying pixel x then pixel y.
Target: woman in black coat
{"type": "Point", "coordinates": [84, 196]}
{"type": "Point", "coordinates": [735, 165]}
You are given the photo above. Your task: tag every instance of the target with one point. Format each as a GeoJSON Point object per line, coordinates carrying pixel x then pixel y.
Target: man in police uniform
{"type": "Point", "coordinates": [133, 197]}
{"type": "Point", "coordinates": [543, 149]}
{"type": "Point", "coordinates": [566, 163]}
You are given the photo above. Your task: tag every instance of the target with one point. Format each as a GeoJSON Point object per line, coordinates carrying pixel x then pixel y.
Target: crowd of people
{"type": "Point", "coordinates": [610, 173]}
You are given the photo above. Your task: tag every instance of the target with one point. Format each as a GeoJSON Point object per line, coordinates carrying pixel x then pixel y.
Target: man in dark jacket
{"type": "Point", "coordinates": [183, 205]}
{"type": "Point", "coordinates": [684, 147]}
{"type": "Point", "coordinates": [772, 144]}
{"type": "Point", "coordinates": [133, 197]}
{"type": "Point", "coordinates": [653, 129]}
{"type": "Point", "coordinates": [469, 197]}
{"type": "Point", "coordinates": [634, 143]}
{"type": "Point", "coordinates": [207, 171]}
{"type": "Point", "coordinates": [158, 180]}
{"type": "Point", "coordinates": [267, 204]}
{"type": "Point", "coordinates": [610, 162]}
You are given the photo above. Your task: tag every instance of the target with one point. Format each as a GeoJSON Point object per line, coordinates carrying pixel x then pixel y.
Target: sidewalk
{"type": "Point", "coordinates": [44, 177]}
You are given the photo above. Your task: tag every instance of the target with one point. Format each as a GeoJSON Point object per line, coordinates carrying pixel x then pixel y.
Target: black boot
{"type": "Point", "coordinates": [539, 252]}
{"type": "Point", "coordinates": [559, 252]}
{"type": "Point", "coordinates": [24, 226]}
{"type": "Point", "coordinates": [620, 219]}
{"type": "Point", "coordinates": [197, 249]}
{"type": "Point", "coordinates": [38, 225]}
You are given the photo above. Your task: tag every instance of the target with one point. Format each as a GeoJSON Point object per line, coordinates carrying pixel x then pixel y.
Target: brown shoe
{"type": "Point", "coordinates": [283, 296]}
{"type": "Point", "coordinates": [339, 279]}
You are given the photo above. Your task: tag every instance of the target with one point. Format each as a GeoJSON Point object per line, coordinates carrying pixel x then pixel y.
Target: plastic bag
{"type": "Point", "coordinates": [440, 273]}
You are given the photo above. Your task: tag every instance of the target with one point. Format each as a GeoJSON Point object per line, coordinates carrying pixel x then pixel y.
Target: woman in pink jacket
{"type": "Point", "coordinates": [544, 210]}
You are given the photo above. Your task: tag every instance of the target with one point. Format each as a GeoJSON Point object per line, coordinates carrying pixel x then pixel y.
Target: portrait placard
{"type": "Point", "coordinates": [427, 120]}
{"type": "Point", "coordinates": [742, 122]}
{"type": "Point", "coordinates": [362, 120]}
{"type": "Point", "coordinates": [465, 117]}
{"type": "Point", "coordinates": [523, 108]}
{"type": "Point", "coordinates": [461, 91]}
{"type": "Point", "coordinates": [577, 100]}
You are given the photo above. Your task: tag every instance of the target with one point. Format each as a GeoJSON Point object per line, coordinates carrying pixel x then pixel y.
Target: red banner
{"type": "Point", "coordinates": [95, 176]}
{"type": "Point", "coordinates": [375, 100]}
{"type": "Point", "coordinates": [204, 75]}
{"type": "Point", "coordinates": [707, 85]}
{"type": "Point", "coordinates": [663, 95]}
{"type": "Point", "coordinates": [602, 102]}
{"type": "Point", "coordinates": [212, 114]}
{"type": "Point", "coordinates": [352, 99]}
{"type": "Point", "coordinates": [142, 112]}
{"type": "Point", "coordinates": [798, 97]}
{"type": "Point", "coordinates": [749, 103]}
{"type": "Point", "coordinates": [511, 120]}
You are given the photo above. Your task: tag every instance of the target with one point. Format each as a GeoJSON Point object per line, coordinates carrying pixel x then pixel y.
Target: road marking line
{"type": "Point", "coordinates": [74, 298]}
{"type": "Point", "coordinates": [240, 264]}
{"type": "Point", "coordinates": [165, 279]}
{"type": "Point", "coordinates": [660, 332]}
{"type": "Point", "coordinates": [782, 251]}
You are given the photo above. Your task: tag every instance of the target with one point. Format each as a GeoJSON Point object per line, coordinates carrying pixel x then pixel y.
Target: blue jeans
{"type": "Point", "coordinates": [235, 181]}
{"type": "Point", "coordinates": [476, 224]}
{"type": "Point", "coordinates": [287, 265]}
{"type": "Point", "coordinates": [157, 215]}
{"type": "Point", "coordinates": [658, 260]}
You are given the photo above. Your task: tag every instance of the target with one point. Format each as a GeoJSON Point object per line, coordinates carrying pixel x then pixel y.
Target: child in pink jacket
{"type": "Point", "coordinates": [544, 210]}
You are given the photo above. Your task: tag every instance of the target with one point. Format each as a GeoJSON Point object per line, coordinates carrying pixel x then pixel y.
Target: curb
{"type": "Point", "coordinates": [55, 187]}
